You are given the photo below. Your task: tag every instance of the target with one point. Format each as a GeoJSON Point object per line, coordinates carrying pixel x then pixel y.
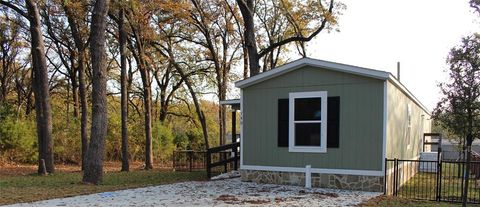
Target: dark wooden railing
{"type": "Point", "coordinates": [227, 154]}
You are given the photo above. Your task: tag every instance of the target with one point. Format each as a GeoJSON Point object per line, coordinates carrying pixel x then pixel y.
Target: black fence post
{"type": "Point", "coordinates": [439, 175]}
{"type": "Point", "coordinates": [395, 177]}
{"type": "Point", "coordinates": [385, 178]}
{"type": "Point", "coordinates": [173, 160]}
{"type": "Point", "coordinates": [190, 154]}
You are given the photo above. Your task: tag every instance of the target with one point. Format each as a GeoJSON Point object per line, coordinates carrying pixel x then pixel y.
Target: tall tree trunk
{"type": "Point", "coordinates": [245, 62]}
{"type": "Point", "coordinates": [83, 104]}
{"type": "Point", "coordinates": [247, 8]}
{"type": "Point", "coordinates": [94, 166]}
{"type": "Point", "coordinates": [147, 100]}
{"type": "Point", "coordinates": [80, 45]}
{"type": "Point", "coordinates": [163, 104]}
{"type": "Point", "coordinates": [75, 94]}
{"type": "Point", "coordinates": [123, 90]}
{"type": "Point", "coordinates": [41, 88]}
{"type": "Point", "coordinates": [147, 95]}
{"type": "Point", "coordinates": [466, 174]}
{"type": "Point", "coordinates": [222, 92]}
{"type": "Point", "coordinates": [469, 140]}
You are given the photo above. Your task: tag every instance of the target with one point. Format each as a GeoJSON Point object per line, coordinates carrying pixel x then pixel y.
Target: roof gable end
{"type": "Point", "coordinates": [382, 75]}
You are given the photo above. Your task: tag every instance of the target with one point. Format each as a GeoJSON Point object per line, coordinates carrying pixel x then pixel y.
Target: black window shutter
{"type": "Point", "coordinates": [282, 123]}
{"type": "Point", "coordinates": [333, 122]}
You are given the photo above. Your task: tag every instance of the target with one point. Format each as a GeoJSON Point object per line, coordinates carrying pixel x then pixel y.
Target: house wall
{"type": "Point", "coordinates": [361, 121]}
{"type": "Point", "coordinates": [397, 124]}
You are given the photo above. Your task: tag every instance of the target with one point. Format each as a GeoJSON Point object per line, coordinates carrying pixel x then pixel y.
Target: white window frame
{"type": "Point", "coordinates": [323, 122]}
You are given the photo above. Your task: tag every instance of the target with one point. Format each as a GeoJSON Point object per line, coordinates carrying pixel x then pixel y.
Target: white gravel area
{"type": "Point", "coordinates": [227, 192]}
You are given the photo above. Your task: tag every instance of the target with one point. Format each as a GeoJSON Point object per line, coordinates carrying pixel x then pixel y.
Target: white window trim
{"type": "Point", "coordinates": [291, 122]}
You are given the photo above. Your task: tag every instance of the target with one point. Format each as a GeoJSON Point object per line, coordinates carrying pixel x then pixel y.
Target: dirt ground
{"type": "Point", "coordinates": [12, 169]}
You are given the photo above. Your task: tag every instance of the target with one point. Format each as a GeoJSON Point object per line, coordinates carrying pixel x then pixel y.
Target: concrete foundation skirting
{"type": "Point", "coordinates": [347, 182]}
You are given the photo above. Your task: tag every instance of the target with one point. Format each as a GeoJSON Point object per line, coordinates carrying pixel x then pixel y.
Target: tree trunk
{"type": "Point", "coordinates": [163, 103]}
{"type": "Point", "coordinates": [467, 170]}
{"type": "Point", "coordinates": [222, 89]}
{"type": "Point", "coordinates": [147, 100]}
{"type": "Point", "coordinates": [41, 88]}
{"type": "Point", "coordinates": [75, 94]}
{"type": "Point", "coordinates": [247, 8]}
{"type": "Point", "coordinates": [198, 109]}
{"type": "Point", "coordinates": [123, 90]}
{"type": "Point", "coordinates": [83, 102]}
{"type": "Point", "coordinates": [147, 96]}
{"type": "Point", "coordinates": [245, 62]}
{"type": "Point", "coordinates": [79, 43]}
{"type": "Point", "coordinates": [94, 166]}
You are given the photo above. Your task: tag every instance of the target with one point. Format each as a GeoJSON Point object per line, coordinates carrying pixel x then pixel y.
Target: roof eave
{"type": "Point", "coordinates": [382, 75]}
{"type": "Point", "coordinates": [377, 74]}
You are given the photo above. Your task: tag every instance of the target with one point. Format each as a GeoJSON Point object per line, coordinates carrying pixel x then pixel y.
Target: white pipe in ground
{"type": "Point", "coordinates": [308, 176]}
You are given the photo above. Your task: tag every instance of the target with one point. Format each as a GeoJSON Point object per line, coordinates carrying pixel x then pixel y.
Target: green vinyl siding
{"type": "Point", "coordinates": [397, 124]}
{"type": "Point", "coordinates": [361, 120]}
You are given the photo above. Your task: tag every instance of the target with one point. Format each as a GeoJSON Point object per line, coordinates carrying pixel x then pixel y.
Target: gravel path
{"type": "Point", "coordinates": [215, 193]}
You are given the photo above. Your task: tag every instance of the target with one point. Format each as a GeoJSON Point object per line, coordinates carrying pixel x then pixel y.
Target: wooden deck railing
{"type": "Point", "coordinates": [223, 151]}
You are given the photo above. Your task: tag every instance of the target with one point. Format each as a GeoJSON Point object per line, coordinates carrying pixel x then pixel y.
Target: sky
{"type": "Point", "coordinates": [419, 34]}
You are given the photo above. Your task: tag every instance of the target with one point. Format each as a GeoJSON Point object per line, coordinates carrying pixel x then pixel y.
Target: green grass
{"type": "Point", "coordinates": [389, 201]}
{"type": "Point", "coordinates": [16, 189]}
{"type": "Point", "coordinates": [422, 185]}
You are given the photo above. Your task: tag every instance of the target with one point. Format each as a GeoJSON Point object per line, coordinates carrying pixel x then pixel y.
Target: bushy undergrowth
{"type": "Point", "coordinates": [18, 139]}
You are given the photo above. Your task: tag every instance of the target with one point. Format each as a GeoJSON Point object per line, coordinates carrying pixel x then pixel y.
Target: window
{"type": "Point", "coordinates": [333, 122]}
{"type": "Point", "coordinates": [308, 122]}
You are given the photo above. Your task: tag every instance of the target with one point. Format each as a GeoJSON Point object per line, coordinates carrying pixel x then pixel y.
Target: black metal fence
{"type": "Point", "coordinates": [432, 180]}
{"type": "Point", "coordinates": [189, 160]}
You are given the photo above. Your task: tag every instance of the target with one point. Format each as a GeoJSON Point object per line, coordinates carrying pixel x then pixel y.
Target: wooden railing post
{"type": "Point", "coordinates": [222, 151]}
{"type": "Point", "coordinates": [224, 157]}
{"type": "Point", "coordinates": [209, 161]}
{"type": "Point", "coordinates": [235, 163]}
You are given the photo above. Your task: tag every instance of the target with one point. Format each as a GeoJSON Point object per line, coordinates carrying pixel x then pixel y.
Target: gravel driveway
{"type": "Point", "coordinates": [215, 193]}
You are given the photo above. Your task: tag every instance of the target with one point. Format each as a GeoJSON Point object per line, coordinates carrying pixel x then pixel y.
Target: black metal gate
{"type": "Point", "coordinates": [441, 180]}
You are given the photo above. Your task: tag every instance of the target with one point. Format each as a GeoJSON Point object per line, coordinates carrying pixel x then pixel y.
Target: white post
{"type": "Point", "coordinates": [308, 176]}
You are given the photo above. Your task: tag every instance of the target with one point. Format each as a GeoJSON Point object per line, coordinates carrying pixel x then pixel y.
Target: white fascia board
{"type": "Point", "coordinates": [315, 63]}
{"type": "Point", "coordinates": [230, 102]}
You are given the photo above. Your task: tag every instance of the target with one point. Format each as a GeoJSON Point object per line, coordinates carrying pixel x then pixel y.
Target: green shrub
{"type": "Point", "coordinates": [163, 145]}
{"type": "Point", "coordinates": [18, 140]}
